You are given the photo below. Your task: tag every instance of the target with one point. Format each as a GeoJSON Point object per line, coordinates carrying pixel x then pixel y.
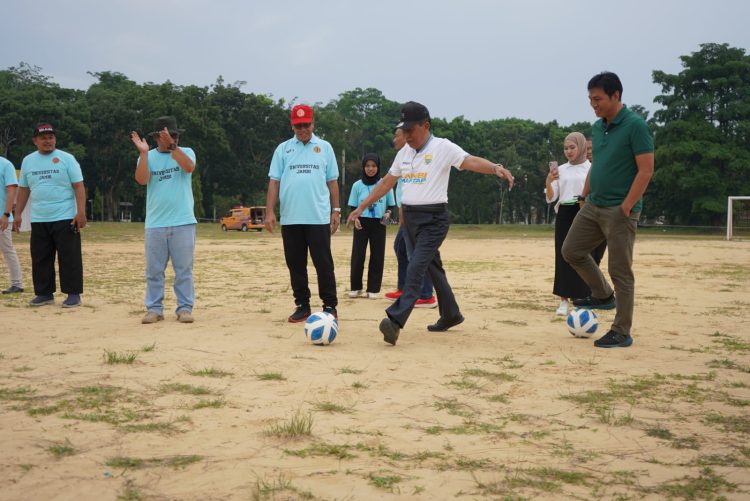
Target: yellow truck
{"type": "Point", "coordinates": [244, 219]}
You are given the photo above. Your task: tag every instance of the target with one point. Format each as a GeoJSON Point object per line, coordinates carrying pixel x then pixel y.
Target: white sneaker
{"type": "Point", "coordinates": [353, 294]}
{"type": "Point", "coordinates": [562, 310]}
{"type": "Point", "coordinates": [373, 295]}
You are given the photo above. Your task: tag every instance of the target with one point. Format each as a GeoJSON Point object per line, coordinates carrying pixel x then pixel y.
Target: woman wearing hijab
{"type": "Point", "coordinates": [565, 184]}
{"type": "Point", "coordinates": [368, 228]}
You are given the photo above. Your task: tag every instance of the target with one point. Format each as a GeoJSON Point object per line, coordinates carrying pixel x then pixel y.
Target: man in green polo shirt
{"type": "Point", "coordinates": [624, 153]}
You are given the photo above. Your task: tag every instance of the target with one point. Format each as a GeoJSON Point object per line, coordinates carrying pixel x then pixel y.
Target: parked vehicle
{"type": "Point", "coordinates": [244, 219]}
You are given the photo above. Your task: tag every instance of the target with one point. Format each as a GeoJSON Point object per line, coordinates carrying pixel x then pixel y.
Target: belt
{"type": "Point", "coordinates": [434, 208]}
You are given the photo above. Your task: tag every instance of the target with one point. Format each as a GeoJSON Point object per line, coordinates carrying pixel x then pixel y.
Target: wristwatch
{"type": "Point", "coordinates": [6, 214]}
{"type": "Point", "coordinates": [172, 146]}
{"type": "Point", "coordinates": [337, 209]}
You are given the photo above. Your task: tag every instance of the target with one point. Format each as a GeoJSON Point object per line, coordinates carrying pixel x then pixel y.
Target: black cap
{"type": "Point", "coordinates": [43, 128]}
{"type": "Point", "coordinates": [412, 113]}
{"type": "Point", "coordinates": [169, 122]}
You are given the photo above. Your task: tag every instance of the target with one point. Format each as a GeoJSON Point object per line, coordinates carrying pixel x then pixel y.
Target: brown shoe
{"type": "Point", "coordinates": [151, 317]}
{"type": "Point", "coordinates": [185, 317]}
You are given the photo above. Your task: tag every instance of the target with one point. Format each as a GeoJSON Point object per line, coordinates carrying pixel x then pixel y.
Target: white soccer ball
{"type": "Point", "coordinates": [321, 328]}
{"type": "Point", "coordinates": [582, 322]}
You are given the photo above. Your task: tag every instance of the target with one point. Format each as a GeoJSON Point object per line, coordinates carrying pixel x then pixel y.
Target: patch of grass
{"type": "Point", "coordinates": [186, 389]}
{"type": "Point", "coordinates": [686, 443]}
{"type": "Point", "coordinates": [465, 384]}
{"type": "Point", "coordinates": [299, 425]}
{"type": "Point", "coordinates": [385, 482]}
{"type": "Point", "coordinates": [730, 343]}
{"type": "Point", "coordinates": [503, 399]}
{"type": "Point", "coordinates": [216, 403]}
{"type": "Point", "coordinates": [453, 407]}
{"type": "Point", "coordinates": [149, 347]}
{"type": "Point", "coordinates": [708, 485]}
{"type": "Point", "coordinates": [22, 393]}
{"type": "Point", "coordinates": [111, 357]}
{"type": "Point", "coordinates": [359, 386]}
{"type": "Point", "coordinates": [492, 376]}
{"type": "Point", "coordinates": [61, 449]}
{"type": "Point", "coordinates": [333, 450]}
{"type": "Point", "coordinates": [209, 372]}
{"type": "Point", "coordinates": [264, 490]}
{"type": "Point", "coordinates": [725, 363]}
{"type": "Point", "coordinates": [659, 432]}
{"type": "Point", "coordinates": [23, 368]}
{"type": "Point", "coordinates": [130, 492]}
{"type": "Point", "coordinates": [721, 460]}
{"type": "Point", "coordinates": [124, 462]}
{"type": "Point", "coordinates": [331, 407]}
{"type": "Point", "coordinates": [270, 376]}
{"type": "Point", "coordinates": [166, 428]}
{"type": "Point", "coordinates": [734, 424]}
{"type": "Point", "coordinates": [472, 464]}
{"type": "Point", "coordinates": [349, 370]}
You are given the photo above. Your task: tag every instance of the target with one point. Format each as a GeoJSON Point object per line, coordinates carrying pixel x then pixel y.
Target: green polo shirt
{"type": "Point", "coordinates": [616, 145]}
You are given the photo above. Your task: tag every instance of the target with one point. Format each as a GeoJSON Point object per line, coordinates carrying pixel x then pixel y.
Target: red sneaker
{"type": "Point", "coordinates": [426, 303]}
{"type": "Point", "coordinates": [393, 295]}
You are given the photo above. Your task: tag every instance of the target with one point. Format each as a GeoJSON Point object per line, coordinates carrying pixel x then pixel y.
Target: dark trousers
{"type": "Point", "coordinates": [298, 239]}
{"type": "Point", "coordinates": [48, 240]}
{"type": "Point", "coordinates": [403, 249]}
{"type": "Point", "coordinates": [568, 284]}
{"type": "Point", "coordinates": [372, 233]}
{"type": "Point", "coordinates": [426, 229]}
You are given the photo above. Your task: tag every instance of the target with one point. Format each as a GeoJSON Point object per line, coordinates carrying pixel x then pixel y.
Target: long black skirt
{"type": "Point", "coordinates": [567, 282]}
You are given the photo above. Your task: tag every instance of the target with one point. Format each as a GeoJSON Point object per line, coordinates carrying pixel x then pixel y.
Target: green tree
{"type": "Point", "coordinates": [702, 152]}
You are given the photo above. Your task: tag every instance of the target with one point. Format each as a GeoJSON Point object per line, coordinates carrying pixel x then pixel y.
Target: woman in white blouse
{"type": "Point", "coordinates": [564, 184]}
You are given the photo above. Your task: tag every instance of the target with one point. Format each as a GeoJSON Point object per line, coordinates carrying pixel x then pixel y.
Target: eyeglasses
{"type": "Point", "coordinates": [302, 126]}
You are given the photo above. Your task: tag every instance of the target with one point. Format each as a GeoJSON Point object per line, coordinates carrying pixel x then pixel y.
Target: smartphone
{"type": "Point", "coordinates": [553, 166]}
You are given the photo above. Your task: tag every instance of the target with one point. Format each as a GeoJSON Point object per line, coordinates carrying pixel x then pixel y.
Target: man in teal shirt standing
{"type": "Point", "coordinates": [304, 178]}
{"type": "Point", "coordinates": [8, 187]}
{"type": "Point", "coordinates": [624, 153]}
{"type": "Point", "coordinates": [52, 179]}
{"type": "Point", "coordinates": [170, 222]}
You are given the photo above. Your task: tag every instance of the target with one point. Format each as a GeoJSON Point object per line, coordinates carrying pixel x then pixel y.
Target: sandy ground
{"type": "Point", "coordinates": [507, 405]}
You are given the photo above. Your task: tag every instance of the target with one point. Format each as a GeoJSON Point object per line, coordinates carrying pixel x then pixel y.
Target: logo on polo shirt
{"type": "Point", "coordinates": [428, 158]}
{"type": "Point", "coordinates": [316, 149]}
{"type": "Point", "coordinates": [56, 160]}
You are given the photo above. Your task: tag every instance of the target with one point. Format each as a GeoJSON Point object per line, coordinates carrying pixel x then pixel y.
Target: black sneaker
{"type": "Point", "coordinates": [443, 325]}
{"type": "Point", "coordinates": [592, 303]}
{"type": "Point", "coordinates": [390, 330]}
{"type": "Point", "coordinates": [331, 310]}
{"type": "Point", "coordinates": [614, 339]}
{"type": "Point", "coordinates": [300, 314]}
{"type": "Point", "coordinates": [13, 289]}
{"type": "Point", "coordinates": [42, 300]}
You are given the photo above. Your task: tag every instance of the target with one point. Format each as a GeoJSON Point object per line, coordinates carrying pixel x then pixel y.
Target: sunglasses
{"type": "Point", "coordinates": [302, 126]}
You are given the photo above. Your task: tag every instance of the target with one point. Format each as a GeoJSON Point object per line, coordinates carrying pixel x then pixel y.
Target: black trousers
{"type": "Point", "coordinates": [568, 283]}
{"type": "Point", "coordinates": [48, 240]}
{"type": "Point", "coordinates": [298, 239]}
{"type": "Point", "coordinates": [372, 232]}
{"type": "Point", "coordinates": [426, 228]}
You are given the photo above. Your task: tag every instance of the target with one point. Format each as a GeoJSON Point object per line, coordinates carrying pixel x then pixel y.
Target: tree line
{"type": "Point", "coordinates": [701, 136]}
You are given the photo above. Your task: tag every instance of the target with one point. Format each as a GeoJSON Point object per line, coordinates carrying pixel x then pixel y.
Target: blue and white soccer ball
{"type": "Point", "coordinates": [582, 322]}
{"type": "Point", "coordinates": [321, 328]}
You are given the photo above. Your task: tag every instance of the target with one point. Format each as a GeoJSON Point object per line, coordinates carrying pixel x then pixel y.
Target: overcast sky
{"type": "Point", "coordinates": [478, 58]}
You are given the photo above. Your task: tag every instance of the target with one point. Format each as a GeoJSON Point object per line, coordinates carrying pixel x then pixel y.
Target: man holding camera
{"type": "Point", "coordinates": [166, 171]}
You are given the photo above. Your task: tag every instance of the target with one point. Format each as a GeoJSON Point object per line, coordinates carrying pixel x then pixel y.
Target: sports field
{"type": "Point", "coordinates": [94, 405]}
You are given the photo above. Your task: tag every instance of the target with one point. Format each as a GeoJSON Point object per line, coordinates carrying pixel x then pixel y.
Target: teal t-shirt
{"type": "Point", "coordinates": [169, 192]}
{"type": "Point", "coordinates": [303, 171]}
{"type": "Point", "coordinates": [360, 191]}
{"type": "Point", "coordinates": [7, 178]}
{"type": "Point", "coordinates": [50, 178]}
{"type": "Point", "coordinates": [615, 147]}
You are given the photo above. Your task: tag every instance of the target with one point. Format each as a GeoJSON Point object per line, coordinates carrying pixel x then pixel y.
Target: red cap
{"type": "Point", "coordinates": [301, 114]}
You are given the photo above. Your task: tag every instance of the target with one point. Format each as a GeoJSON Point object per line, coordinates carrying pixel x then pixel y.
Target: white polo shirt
{"type": "Point", "coordinates": [425, 173]}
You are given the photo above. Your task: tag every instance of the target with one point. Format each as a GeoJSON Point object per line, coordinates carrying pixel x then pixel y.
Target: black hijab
{"type": "Point", "coordinates": [370, 180]}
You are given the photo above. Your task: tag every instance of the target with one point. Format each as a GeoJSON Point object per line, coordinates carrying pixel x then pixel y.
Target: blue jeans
{"type": "Point", "coordinates": [177, 243]}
